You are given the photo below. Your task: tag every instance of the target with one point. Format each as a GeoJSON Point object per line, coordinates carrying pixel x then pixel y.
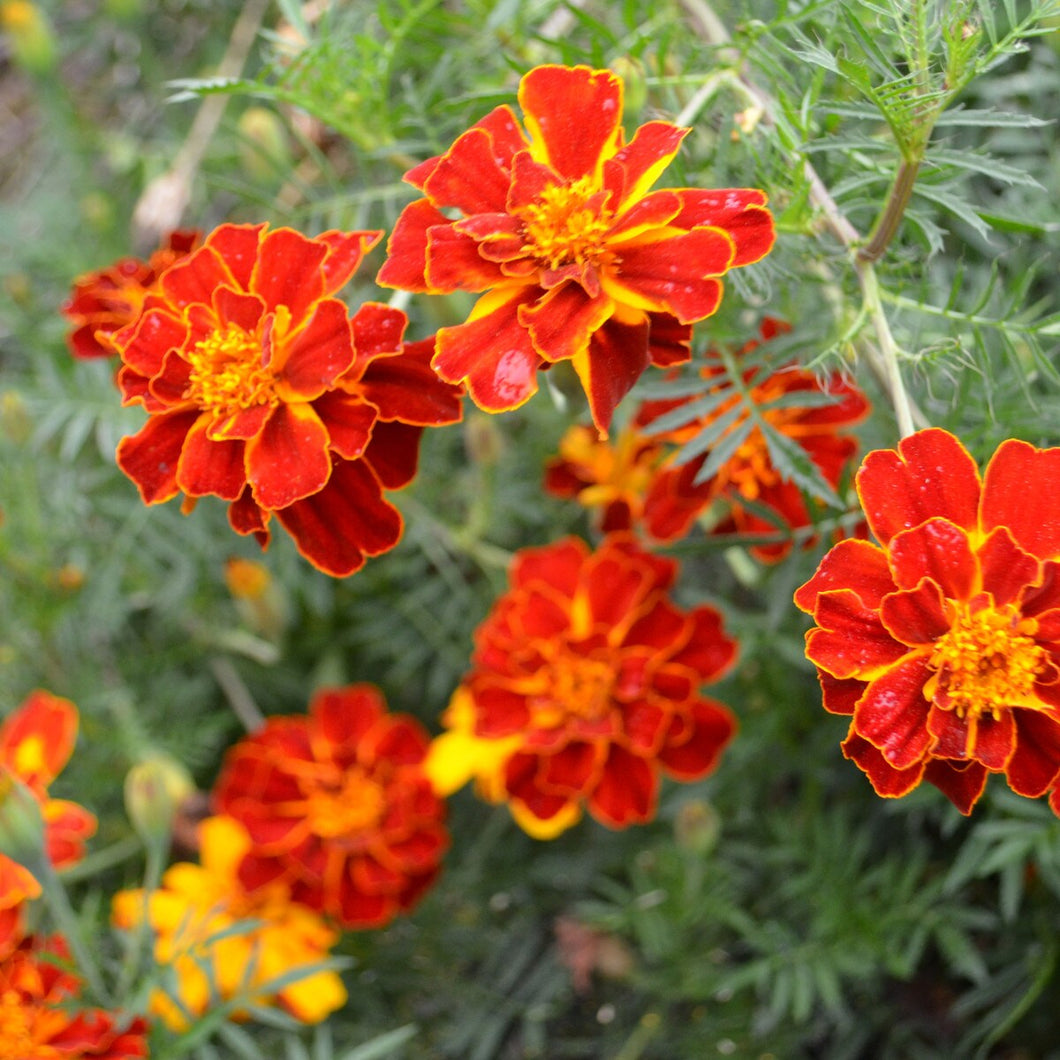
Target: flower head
{"type": "Point", "coordinates": [222, 943]}
{"type": "Point", "coordinates": [104, 301]}
{"type": "Point", "coordinates": [788, 399]}
{"type": "Point", "coordinates": [338, 807]}
{"type": "Point", "coordinates": [39, 1017]}
{"type": "Point", "coordinates": [576, 258]}
{"type": "Point", "coordinates": [584, 687]}
{"type": "Point", "coordinates": [942, 642]}
{"type": "Point", "coordinates": [36, 742]}
{"type": "Point", "coordinates": [259, 390]}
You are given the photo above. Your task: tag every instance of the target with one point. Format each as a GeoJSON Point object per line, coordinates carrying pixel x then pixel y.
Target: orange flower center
{"type": "Point", "coordinates": [564, 227]}
{"type": "Point", "coordinates": [578, 688]}
{"type": "Point", "coordinates": [227, 373]}
{"type": "Point", "coordinates": [349, 804]}
{"type": "Point", "coordinates": [21, 1029]}
{"type": "Point", "coordinates": [986, 662]}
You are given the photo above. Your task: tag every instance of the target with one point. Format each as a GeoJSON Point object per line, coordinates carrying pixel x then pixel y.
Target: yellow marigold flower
{"type": "Point", "coordinates": [196, 914]}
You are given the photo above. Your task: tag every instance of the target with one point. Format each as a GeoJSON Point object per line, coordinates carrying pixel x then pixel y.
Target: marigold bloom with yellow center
{"type": "Point", "coordinates": [39, 1016]}
{"type": "Point", "coordinates": [104, 301]}
{"type": "Point", "coordinates": [584, 688]}
{"type": "Point", "coordinates": [36, 742]}
{"type": "Point", "coordinates": [261, 391]}
{"type": "Point", "coordinates": [942, 642]}
{"type": "Point", "coordinates": [338, 807]}
{"type": "Point", "coordinates": [222, 943]}
{"type": "Point", "coordinates": [576, 258]}
{"type": "Point", "coordinates": [675, 499]}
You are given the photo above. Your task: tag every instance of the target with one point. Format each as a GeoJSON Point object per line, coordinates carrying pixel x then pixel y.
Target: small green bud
{"type": "Point", "coordinates": [154, 790]}
{"type": "Point", "coordinates": [30, 33]}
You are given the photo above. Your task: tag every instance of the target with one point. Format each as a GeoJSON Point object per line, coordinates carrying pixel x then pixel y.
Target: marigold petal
{"type": "Point", "coordinates": [318, 354]}
{"type": "Point", "coordinates": [710, 652]}
{"type": "Point", "coordinates": [627, 791]}
{"type": "Point", "coordinates": [150, 457]}
{"type": "Point", "coordinates": [492, 352]}
{"type": "Point", "coordinates": [887, 781]}
{"type": "Point", "coordinates": [697, 753]}
{"type": "Point", "coordinates": [937, 549]}
{"type": "Point", "coordinates": [288, 460]}
{"type": "Point", "coordinates": [1013, 496]}
{"type": "Point", "coordinates": [636, 166]}
{"type": "Point", "coordinates": [573, 115]}
{"type": "Point", "coordinates": [345, 251]}
{"type": "Point", "coordinates": [740, 212]}
{"type": "Point", "coordinates": [37, 739]}
{"type": "Point", "coordinates": [393, 453]}
{"type": "Point", "coordinates": [915, 616]}
{"type": "Point", "coordinates": [643, 219]}
{"type": "Point", "coordinates": [348, 519]}
{"type": "Point", "coordinates": [852, 564]}
{"type": "Point", "coordinates": [208, 466]}
{"type": "Point", "coordinates": [1034, 767]}
{"type": "Point", "coordinates": [616, 359]}
{"type": "Point", "coordinates": [564, 320]}
{"type": "Point", "coordinates": [194, 279]}
{"type": "Point", "coordinates": [570, 771]}
{"type": "Point", "coordinates": [892, 714]}
{"type": "Point", "coordinates": [930, 475]}
{"type": "Point", "coordinates": [669, 341]}
{"type": "Point", "coordinates": [406, 388]}
{"type": "Point", "coordinates": [1006, 568]}
{"type": "Point", "coordinates": [961, 783]}
{"type": "Point", "coordinates": [345, 715]}
{"type": "Point", "coordinates": [850, 640]}
{"type": "Point", "coordinates": [468, 176]}
{"type": "Point", "coordinates": [144, 344]}
{"type": "Point", "coordinates": [566, 816]}
{"type": "Point", "coordinates": [558, 565]}
{"type": "Point", "coordinates": [246, 517]}
{"type": "Point", "coordinates": [454, 262]}
{"type": "Point", "coordinates": [406, 249]}
{"type": "Point", "coordinates": [839, 696]}
{"type": "Point", "coordinates": [349, 421]}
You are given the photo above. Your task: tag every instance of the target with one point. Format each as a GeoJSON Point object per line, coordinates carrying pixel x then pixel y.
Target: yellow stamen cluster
{"type": "Point", "coordinates": [18, 1031]}
{"type": "Point", "coordinates": [350, 803]}
{"type": "Point", "coordinates": [561, 228]}
{"type": "Point", "coordinates": [986, 662]}
{"type": "Point", "coordinates": [227, 373]}
{"type": "Point", "coordinates": [578, 688]}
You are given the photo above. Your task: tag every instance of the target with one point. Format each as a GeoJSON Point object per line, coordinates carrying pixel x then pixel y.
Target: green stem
{"type": "Point", "coordinates": [886, 226]}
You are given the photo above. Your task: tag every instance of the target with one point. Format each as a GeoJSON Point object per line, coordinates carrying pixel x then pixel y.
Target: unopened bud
{"type": "Point", "coordinates": [154, 790]}
{"type": "Point", "coordinates": [482, 440]}
{"type": "Point", "coordinates": [263, 148]}
{"type": "Point", "coordinates": [21, 823]}
{"type": "Point", "coordinates": [636, 87]}
{"type": "Point", "coordinates": [30, 34]}
{"type": "Point", "coordinates": [261, 601]}
{"type": "Point", "coordinates": [696, 827]}
{"type": "Point", "coordinates": [15, 420]}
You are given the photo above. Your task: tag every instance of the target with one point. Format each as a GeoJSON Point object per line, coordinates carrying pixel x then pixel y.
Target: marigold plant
{"type": "Point", "coordinates": [36, 742]}
{"type": "Point", "coordinates": [576, 259]}
{"type": "Point", "coordinates": [40, 1018]}
{"type": "Point", "coordinates": [259, 390]}
{"type": "Point", "coordinates": [104, 301]}
{"type": "Point", "coordinates": [585, 687]}
{"type": "Point", "coordinates": [338, 807]}
{"type": "Point", "coordinates": [942, 642]}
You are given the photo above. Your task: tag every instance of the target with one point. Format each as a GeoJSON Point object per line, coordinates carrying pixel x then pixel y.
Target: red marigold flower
{"type": "Point", "coordinates": [585, 686]}
{"type": "Point", "coordinates": [36, 742]}
{"type": "Point", "coordinates": [942, 643]}
{"type": "Point", "coordinates": [262, 392]}
{"type": "Point", "coordinates": [339, 807]}
{"type": "Point", "coordinates": [613, 477]}
{"type": "Point", "coordinates": [675, 499]}
{"type": "Point", "coordinates": [39, 1017]}
{"type": "Point", "coordinates": [578, 260]}
{"type": "Point", "coordinates": [104, 301]}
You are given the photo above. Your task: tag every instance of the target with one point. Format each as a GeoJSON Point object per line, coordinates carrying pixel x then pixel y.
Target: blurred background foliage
{"type": "Point", "coordinates": [778, 908]}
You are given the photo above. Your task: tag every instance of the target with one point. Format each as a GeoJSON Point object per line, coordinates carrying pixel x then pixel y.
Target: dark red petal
{"type": "Point", "coordinates": [210, 467]}
{"type": "Point", "coordinates": [851, 641]}
{"type": "Point", "coordinates": [237, 246]}
{"type": "Point", "coordinates": [1034, 768]}
{"type": "Point", "coordinates": [468, 176]}
{"type": "Point", "coordinates": [852, 564]}
{"type": "Point", "coordinates": [150, 457]}
{"type": "Point", "coordinates": [889, 782]}
{"type": "Point", "coordinates": [937, 549]}
{"type": "Point", "coordinates": [627, 791]}
{"type": "Point", "coordinates": [1015, 495]}
{"type": "Point", "coordinates": [573, 114]}
{"type": "Point", "coordinates": [713, 726]}
{"type": "Point", "coordinates": [915, 616]}
{"type": "Point", "coordinates": [318, 354]}
{"type": "Point", "coordinates": [652, 212]}
{"type": "Point", "coordinates": [617, 357]}
{"type": "Point", "coordinates": [634, 168]}
{"type": "Point", "coordinates": [669, 341]}
{"type": "Point", "coordinates": [407, 247]}
{"type": "Point", "coordinates": [741, 212]}
{"type": "Point", "coordinates": [289, 459]}
{"type": "Point", "coordinates": [346, 714]}
{"type": "Point", "coordinates": [995, 740]}
{"type": "Point", "coordinates": [454, 262]}
{"type": "Point", "coordinates": [394, 453]}
{"type": "Point", "coordinates": [962, 784]}
{"type": "Point", "coordinates": [345, 251]}
{"type": "Point", "coordinates": [245, 517]}
{"type": "Point", "coordinates": [562, 323]}
{"type": "Point", "coordinates": [349, 421]}
{"type": "Point", "coordinates": [348, 519]}
{"type": "Point", "coordinates": [494, 354]}
{"type": "Point", "coordinates": [288, 271]}
{"type": "Point", "coordinates": [892, 714]}
{"type": "Point", "coordinates": [1006, 569]}
{"type": "Point", "coordinates": [407, 389]}
{"type": "Point", "coordinates": [839, 696]}
{"type": "Point", "coordinates": [570, 771]}
{"type": "Point", "coordinates": [195, 278]}
{"type": "Point", "coordinates": [930, 475]}
{"type": "Point", "coordinates": [559, 565]}
{"type": "Point", "coordinates": [377, 329]}
{"type": "Point", "coordinates": [233, 307]}
{"type": "Point", "coordinates": [144, 347]}
{"type": "Point", "coordinates": [710, 652]}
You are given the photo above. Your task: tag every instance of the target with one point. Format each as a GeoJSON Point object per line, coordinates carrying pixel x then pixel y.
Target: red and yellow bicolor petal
{"type": "Point", "coordinates": [36, 741]}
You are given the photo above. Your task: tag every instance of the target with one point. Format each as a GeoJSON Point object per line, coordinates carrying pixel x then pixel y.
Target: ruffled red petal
{"type": "Point", "coordinates": [850, 640]}
{"type": "Point", "coordinates": [961, 783]}
{"type": "Point", "coordinates": [150, 457]}
{"type": "Point", "coordinates": [616, 359]}
{"type": "Point", "coordinates": [936, 549]}
{"type": "Point", "coordinates": [887, 781]}
{"type": "Point", "coordinates": [208, 467]}
{"type": "Point", "coordinates": [627, 791]}
{"type": "Point", "coordinates": [892, 713]}
{"type": "Point", "coordinates": [289, 459]}
{"type": "Point", "coordinates": [852, 564]}
{"type": "Point", "coordinates": [406, 250]}
{"type": "Point", "coordinates": [740, 212]}
{"type": "Point", "coordinates": [1014, 497]}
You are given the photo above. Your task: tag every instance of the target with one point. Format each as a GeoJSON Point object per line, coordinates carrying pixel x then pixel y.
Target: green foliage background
{"type": "Point", "coordinates": [778, 908]}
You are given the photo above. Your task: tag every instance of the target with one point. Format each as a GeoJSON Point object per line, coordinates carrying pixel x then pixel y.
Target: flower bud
{"type": "Point", "coordinates": [21, 823]}
{"type": "Point", "coordinates": [30, 34]}
{"type": "Point", "coordinates": [262, 603]}
{"type": "Point", "coordinates": [636, 87]}
{"type": "Point", "coordinates": [482, 440]}
{"type": "Point", "coordinates": [696, 827]}
{"type": "Point", "coordinates": [154, 789]}
{"type": "Point", "coordinates": [263, 147]}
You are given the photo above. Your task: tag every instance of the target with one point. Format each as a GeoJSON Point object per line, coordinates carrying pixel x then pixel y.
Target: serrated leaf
{"type": "Point", "coordinates": [794, 463]}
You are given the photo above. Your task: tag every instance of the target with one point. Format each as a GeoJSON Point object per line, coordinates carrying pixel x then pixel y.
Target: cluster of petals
{"type": "Point", "coordinates": [104, 301]}
{"type": "Point", "coordinates": [637, 483]}
{"type": "Point", "coordinates": [218, 943]}
{"type": "Point", "coordinates": [40, 1018]}
{"type": "Point", "coordinates": [338, 807]}
{"type": "Point", "coordinates": [36, 742]}
{"type": "Point", "coordinates": [585, 688]}
{"type": "Point", "coordinates": [575, 257]}
{"type": "Point", "coordinates": [260, 390]}
{"type": "Point", "coordinates": [942, 641]}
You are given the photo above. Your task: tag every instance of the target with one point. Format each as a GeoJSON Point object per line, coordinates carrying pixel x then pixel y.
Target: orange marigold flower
{"type": "Point", "coordinates": [338, 807]}
{"type": "Point", "coordinates": [612, 477]}
{"type": "Point", "coordinates": [788, 399]}
{"type": "Point", "coordinates": [262, 392]}
{"type": "Point", "coordinates": [942, 642]}
{"type": "Point", "coordinates": [36, 742]}
{"type": "Point", "coordinates": [104, 301]}
{"type": "Point", "coordinates": [578, 260]}
{"type": "Point", "coordinates": [39, 1019]}
{"type": "Point", "coordinates": [585, 686]}
{"type": "Point", "coordinates": [221, 942]}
